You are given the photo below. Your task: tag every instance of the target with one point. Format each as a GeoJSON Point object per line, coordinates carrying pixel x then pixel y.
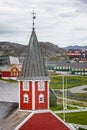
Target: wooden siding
{"type": "Point", "coordinates": [45, 93]}
{"type": "Point", "coordinates": [23, 105]}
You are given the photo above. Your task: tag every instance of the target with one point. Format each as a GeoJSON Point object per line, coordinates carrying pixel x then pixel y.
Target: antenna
{"type": "Point", "coordinates": [34, 17]}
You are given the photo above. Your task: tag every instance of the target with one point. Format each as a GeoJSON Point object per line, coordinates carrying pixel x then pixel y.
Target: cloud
{"type": "Point", "coordinates": [57, 21]}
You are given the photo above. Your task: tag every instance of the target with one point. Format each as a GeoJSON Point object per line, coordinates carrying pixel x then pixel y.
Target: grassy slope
{"type": "Point", "coordinates": [72, 81]}
{"type": "Point", "coordinates": [77, 117]}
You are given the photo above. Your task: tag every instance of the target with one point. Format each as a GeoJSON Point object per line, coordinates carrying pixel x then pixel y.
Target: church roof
{"type": "Point", "coordinates": [13, 120]}
{"type": "Point", "coordinates": [33, 66]}
{"type": "Point", "coordinates": [44, 121]}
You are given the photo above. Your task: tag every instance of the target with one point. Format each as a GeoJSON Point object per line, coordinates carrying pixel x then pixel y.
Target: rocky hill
{"type": "Point", "coordinates": [76, 47]}
{"type": "Point", "coordinates": [49, 50]}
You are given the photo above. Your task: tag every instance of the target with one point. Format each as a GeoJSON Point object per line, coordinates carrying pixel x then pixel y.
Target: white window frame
{"type": "Point", "coordinates": [41, 98]}
{"type": "Point", "coordinates": [41, 85]}
{"type": "Point", "coordinates": [26, 86]}
{"type": "Point", "coordinates": [26, 98]}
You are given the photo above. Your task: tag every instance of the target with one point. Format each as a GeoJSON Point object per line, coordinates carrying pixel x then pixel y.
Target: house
{"type": "Point", "coordinates": [79, 69]}
{"type": "Point", "coordinates": [74, 53]}
{"type": "Point", "coordinates": [67, 67]}
{"type": "Point", "coordinates": [8, 60]}
{"type": "Point", "coordinates": [4, 60]}
{"type": "Point", "coordinates": [10, 71]}
{"type": "Point", "coordinates": [83, 57]}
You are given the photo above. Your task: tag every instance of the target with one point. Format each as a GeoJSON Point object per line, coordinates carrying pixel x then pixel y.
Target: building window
{"type": "Point", "coordinates": [63, 67]}
{"type": "Point", "coordinates": [41, 86]}
{"type": "Point", "coordinates": [57, 67]}
{"type": "Point", "coordinates": [25, 86]}
{"type": "Point", "coordinates": [26, 98]}
{"type": "Point", "coordinates": [11, 74]}
{"type": "Point", "coordinates": [41, 98]}
{"type": "Point", "coordinates": [73, 69]}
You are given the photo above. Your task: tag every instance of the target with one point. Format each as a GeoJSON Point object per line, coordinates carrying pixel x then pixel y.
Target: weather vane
{"type": "Point", "coordinates": [34, 17]}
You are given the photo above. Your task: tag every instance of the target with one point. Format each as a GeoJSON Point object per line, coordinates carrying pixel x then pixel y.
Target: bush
{"type": "Point", "coordinates": [53, 100]}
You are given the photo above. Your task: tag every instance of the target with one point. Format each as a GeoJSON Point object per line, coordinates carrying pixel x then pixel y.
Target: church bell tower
{"type": "Point", "coordinates": [33, 81]}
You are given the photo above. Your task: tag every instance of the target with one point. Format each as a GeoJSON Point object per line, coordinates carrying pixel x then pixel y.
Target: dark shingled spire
{"type": "Point", "coordinates": [33, 66]}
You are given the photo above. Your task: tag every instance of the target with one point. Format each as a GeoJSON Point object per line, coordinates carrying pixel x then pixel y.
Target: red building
{"type": "Point", "coordinates": [34, 92]}
{"type": "Point", "coordinates": [74, 53]}
{"type": "Point", "coordinates": [10, 71]}
{"type": "Point", "coordinates": [34, 81]}
{"type": "Point", "coordinates": [83, 57]}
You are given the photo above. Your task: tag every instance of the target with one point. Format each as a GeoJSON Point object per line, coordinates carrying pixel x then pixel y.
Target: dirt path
{"type": "Point", "coordinates": [74, 102]}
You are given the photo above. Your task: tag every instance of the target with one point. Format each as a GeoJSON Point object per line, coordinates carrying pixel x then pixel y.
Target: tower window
{"type": "Point", "coordinates": [26, 98]}
{"type": "Point", "coordinates": [25, 86]}
{"type": "Point", "coordinates": [41, 86]}
{"type": "Point", "coordinates": [41, 98]}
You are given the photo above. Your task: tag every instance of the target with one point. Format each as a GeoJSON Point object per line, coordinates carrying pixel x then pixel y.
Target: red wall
{"type": "Point", "coordinates": [37, 93]}
{"type": "Point", "coordinates": [25, 106]}
{"type": "Point", "coordinates": [38, 106]}
{"type": "Point", "coordinates": [8, 74]}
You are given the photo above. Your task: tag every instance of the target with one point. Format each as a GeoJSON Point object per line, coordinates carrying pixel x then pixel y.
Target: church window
{"type": "Point", "coordinates": [41, 98]}
{"type": "Point", "coordinates": [25, 86]}
{"type": "Point", "coordinates": [26, 98]}
{"type": "Point", "coordinates": [41, 86]}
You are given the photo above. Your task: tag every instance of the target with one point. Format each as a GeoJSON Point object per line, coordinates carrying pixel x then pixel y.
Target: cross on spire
{"type": "Point", "coordinates": [34, 17]}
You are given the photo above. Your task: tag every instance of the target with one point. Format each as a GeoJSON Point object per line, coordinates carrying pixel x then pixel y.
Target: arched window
{"type": "Point", "coordinates": [25, 86]}
{"type": "Point", "coordinates": [41, 86]}
{"type": "Point", "coordinates": [26, 98]}
{"type": "Point", "coordinates": [41, 98]}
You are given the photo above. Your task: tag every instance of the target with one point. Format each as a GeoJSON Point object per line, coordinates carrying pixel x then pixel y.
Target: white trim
{"type": "Point", "coordinates": [26, 98]}
{"type": "Point", "coordinates": [13, 78]}
{"type": "Point", "coordinates": [33, 95]}
{"type": "Point", "coordinates": [60, 119]}
{"type": "Point", "coordinates": [24, 87]}
{"type": "Point", "coordinates": [26, 119]}
{"type": "Point", "coordinates": [19, 92]}
{"type": "Point", "coordinates": [48, 92]}
{"type": "Point", "coordinates": [34, 80]}
{"type": "Point", "coordinates": [41, 85]}
{"type": "Point", "coordinates": [41, 96]}
{"type": "Point", "coordinates": [35, 111]}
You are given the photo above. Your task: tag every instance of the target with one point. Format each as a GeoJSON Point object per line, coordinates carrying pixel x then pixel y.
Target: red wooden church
{"type": "Point", "coordinates": [34, 92]}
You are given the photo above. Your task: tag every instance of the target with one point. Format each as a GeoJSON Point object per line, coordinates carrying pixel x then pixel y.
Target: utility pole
{"type": "Point", "coordinates": [63, 99]}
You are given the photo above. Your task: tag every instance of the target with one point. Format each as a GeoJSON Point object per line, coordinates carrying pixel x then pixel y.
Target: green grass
{"type": "Point", "coordinates": [60, 107]}
{"type": "Point", "coordinates": [85, 89]}
{"type": "Point", "coordinates": [9, 80]}
{"type": "Point", "coordinates": [69, 81]}
{"type": "Point", "coordinates": [81, 129]}
{"type": "Point", "coordinates": [74, 96]}
{"type": "Point", "coordinates": [77, 117]}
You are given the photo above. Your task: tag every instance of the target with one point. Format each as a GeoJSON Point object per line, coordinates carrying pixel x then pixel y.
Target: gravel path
{"type": "Point", "coordinates": [78, 89]}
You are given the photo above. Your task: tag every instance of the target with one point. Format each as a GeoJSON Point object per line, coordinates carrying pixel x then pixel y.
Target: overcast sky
{"type": "Point", "coordinates": [62, 22]}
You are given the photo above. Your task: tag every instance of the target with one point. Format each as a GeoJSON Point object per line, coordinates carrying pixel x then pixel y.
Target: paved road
{"type": "Point", "coordinates": [78, 89]}
{"type": "Point", "coordinates": [9, 92]}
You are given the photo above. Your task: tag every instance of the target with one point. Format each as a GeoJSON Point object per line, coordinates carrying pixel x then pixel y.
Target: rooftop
{"type": "Point", "coordinates": [44, 121]}
{"type": "Point", "coordinates": [33, 65]}
{"type": "Point", "coordinates": [13, 119]}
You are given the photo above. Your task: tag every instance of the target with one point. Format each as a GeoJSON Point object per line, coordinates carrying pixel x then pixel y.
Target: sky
{"type": "Point", "coordinates": [61, 22]}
